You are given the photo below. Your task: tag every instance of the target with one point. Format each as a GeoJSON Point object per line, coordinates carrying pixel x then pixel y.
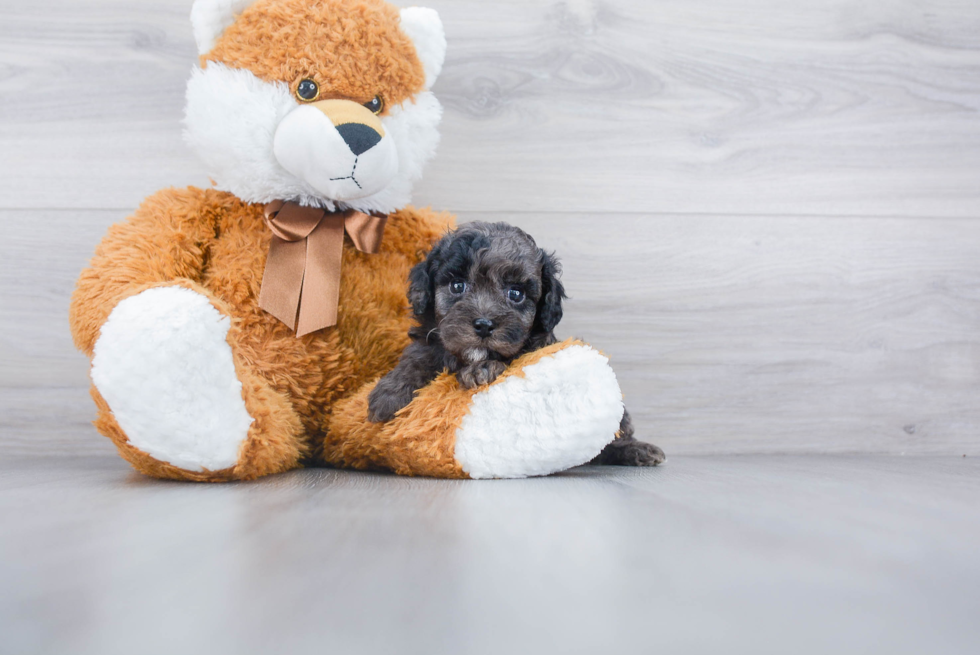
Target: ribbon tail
{"type": "Point", "coordinates": [321, 285]}
{"type": "Point", "coordinates": [282, 280]}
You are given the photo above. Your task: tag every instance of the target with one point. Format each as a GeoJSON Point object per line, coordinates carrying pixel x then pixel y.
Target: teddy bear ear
{"type": "Point", "coordinates": [210, 18]}
{"type": "Point", "coordinates": [424, 27]}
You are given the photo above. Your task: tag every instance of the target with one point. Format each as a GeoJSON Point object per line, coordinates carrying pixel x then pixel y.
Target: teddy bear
{"type": "Point", "coordinates": [236, 331]}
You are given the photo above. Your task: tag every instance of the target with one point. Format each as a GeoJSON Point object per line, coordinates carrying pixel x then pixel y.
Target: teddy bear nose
{"type": "Point", "coordinates": [483, 327]}
{"type": "Point", "coordinates": [359, 137]}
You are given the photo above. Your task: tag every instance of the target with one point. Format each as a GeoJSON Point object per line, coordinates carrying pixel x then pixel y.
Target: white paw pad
{"type": "Point", "coordinates": [561, 413]}
{"type": "Point", "coordinates": [163, 364]}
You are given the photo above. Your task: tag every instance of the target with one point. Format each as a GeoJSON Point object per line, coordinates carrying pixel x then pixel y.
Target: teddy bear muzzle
{"type": "Point", "coordinates": [338, 147]}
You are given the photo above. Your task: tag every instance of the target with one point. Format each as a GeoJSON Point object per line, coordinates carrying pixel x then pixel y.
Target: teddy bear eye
{"type": "Point", "coordinates": [376, 104]}
{"type": "Point", "coordinates": [308, 90]}
{"type": "Point", "coordinates": [515, 295]}
{"type": "Point", "coordinates": [457, 286]}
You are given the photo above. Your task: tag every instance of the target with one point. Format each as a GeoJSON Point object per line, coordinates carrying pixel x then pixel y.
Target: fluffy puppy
{"type": "Point", "coordinates": [485, 295]}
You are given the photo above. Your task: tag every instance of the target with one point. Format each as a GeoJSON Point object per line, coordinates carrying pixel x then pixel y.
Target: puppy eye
{"type": "Point", "coordinates": [457, 287]}
{"type": "Point", "coordinates": [376, 105]}
{"type": "Point", "coordinates": [515, 295]}
{"type": "Point", "coordinates": [308, 90]}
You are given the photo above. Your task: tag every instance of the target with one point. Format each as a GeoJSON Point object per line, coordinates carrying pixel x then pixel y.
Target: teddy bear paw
{"type": "Point", "coordinates": [163, 364]}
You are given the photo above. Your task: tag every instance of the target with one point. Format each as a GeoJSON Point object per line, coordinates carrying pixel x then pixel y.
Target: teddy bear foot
{"type": "Point", "coordinates": [558, 412]}
{"type": "Point", "coordinates": [164, 367]}
{"type": "Point", "coordinates": [550, 410]}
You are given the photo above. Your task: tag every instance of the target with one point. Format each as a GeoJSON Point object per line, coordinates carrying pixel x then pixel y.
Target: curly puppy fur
{"type": "Point", "coordinates": [485, 295]}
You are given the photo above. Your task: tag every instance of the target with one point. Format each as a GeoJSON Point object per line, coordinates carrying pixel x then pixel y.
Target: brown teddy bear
{"type": "Point", "coordinates": [236, 331]}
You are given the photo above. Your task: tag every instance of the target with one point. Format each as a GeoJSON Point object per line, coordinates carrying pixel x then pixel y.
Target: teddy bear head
{"type": "Point", "coordinates": [321, 102]}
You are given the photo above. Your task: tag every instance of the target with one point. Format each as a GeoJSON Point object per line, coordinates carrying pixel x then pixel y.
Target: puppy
{"type": "Point", "coordinates": [485, 295]}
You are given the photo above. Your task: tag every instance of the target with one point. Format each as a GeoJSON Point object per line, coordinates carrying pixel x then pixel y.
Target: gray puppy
{"type": "Point", "coordinates": [485, 295]}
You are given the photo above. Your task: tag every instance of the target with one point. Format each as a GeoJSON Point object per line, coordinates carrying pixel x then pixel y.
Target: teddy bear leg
{"type": "Point", "coordinates": [175, 399]}
{"type": "Point", "coordinates": [550, 410]}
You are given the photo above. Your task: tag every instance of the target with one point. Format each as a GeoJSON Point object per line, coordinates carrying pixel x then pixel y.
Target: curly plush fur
{"type": "Point", "coordinates": [423, 439]}
{"type": "Point", "coordinates": [216, 245]}
{"type": "Point", "coordinates": [363, 55]}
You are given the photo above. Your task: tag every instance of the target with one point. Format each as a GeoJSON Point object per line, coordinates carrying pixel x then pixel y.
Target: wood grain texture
{"type": "Point", "coordinates": [706, 555]}
{"type": "Point", "coordinates": [44, 401]}
{"type": "Point", "coordinates": [842, 108]}
{"type": "Point", "coordinates": [783, 334]}
{"type": "Point", "coordinates": [729, 335]}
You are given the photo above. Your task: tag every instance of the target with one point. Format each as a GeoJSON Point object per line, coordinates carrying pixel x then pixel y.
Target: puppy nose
{"type": "Point", "coordinates": [483, 327]}
{"type": "Point", "coordinates": [359, 137]}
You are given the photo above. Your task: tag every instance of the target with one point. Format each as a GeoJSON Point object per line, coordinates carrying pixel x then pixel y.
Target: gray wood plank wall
{"type": "Point", "coordinates": [769, 213]}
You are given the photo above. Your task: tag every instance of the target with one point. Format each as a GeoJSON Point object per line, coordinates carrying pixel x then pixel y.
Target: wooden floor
{"type": "Point", "coordinates": [769, 217]}
{"type": "Point", "coordinates": [732, 554]}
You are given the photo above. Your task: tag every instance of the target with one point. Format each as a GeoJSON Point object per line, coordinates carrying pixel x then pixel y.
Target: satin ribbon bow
{"type": "Point", "coordinates": [301, 283]}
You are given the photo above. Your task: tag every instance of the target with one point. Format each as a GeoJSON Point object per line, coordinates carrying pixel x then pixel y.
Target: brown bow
{"type": "Point", "coordinates": [301, 284]}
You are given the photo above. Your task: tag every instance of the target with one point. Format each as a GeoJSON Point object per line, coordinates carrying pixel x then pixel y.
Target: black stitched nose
{"type": "Point", "coordinates": [483, 327]}
{"type": "Point", "coordinates": [359, 138]}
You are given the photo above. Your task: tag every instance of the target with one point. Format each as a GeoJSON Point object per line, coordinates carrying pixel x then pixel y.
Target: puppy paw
{"type": "Point", "coordinates": [476, 375]}
{"type": "Point", "coordinates": [384, 402]}
{"type": "Point", "coordinates": [642, 453]}
{"type": "Point", "coordinates": [630, 452]}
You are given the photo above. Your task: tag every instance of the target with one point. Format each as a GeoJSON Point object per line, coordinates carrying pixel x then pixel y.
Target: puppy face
{"type": "Point", "coordinates": [488, 291]}
{"type": "Point", "coordinates": [323, 102]}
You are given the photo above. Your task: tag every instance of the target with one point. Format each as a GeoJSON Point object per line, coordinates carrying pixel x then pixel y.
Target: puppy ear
{"type": "Point", "coordinates": [421, 291]}
{"type": "Point", "coordinates": [420, 288]}
{"type": "Point", "coordinates": [552, 293]}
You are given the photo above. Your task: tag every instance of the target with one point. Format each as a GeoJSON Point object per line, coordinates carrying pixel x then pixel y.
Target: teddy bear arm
{"type": "Point", "coordinates": [166, 240]}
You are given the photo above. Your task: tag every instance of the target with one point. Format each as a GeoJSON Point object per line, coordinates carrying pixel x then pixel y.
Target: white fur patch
{"type": "Point", "coordinates": [474, 355]}
{"type": "Point", "coordinates": [424, 27]}
{"type": "Point", "coordinates": [163, 364]}
{"type": "Point", "coordinates": [562, 413]}
{"type": "Point", "coordinates": [309, 146]}
{"type": "Point", "coordinates": [414, 126]}
{"type": "Point", "coordinates": [210, 19]}
{"type": "Point", "coordinates": [231, 121]}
